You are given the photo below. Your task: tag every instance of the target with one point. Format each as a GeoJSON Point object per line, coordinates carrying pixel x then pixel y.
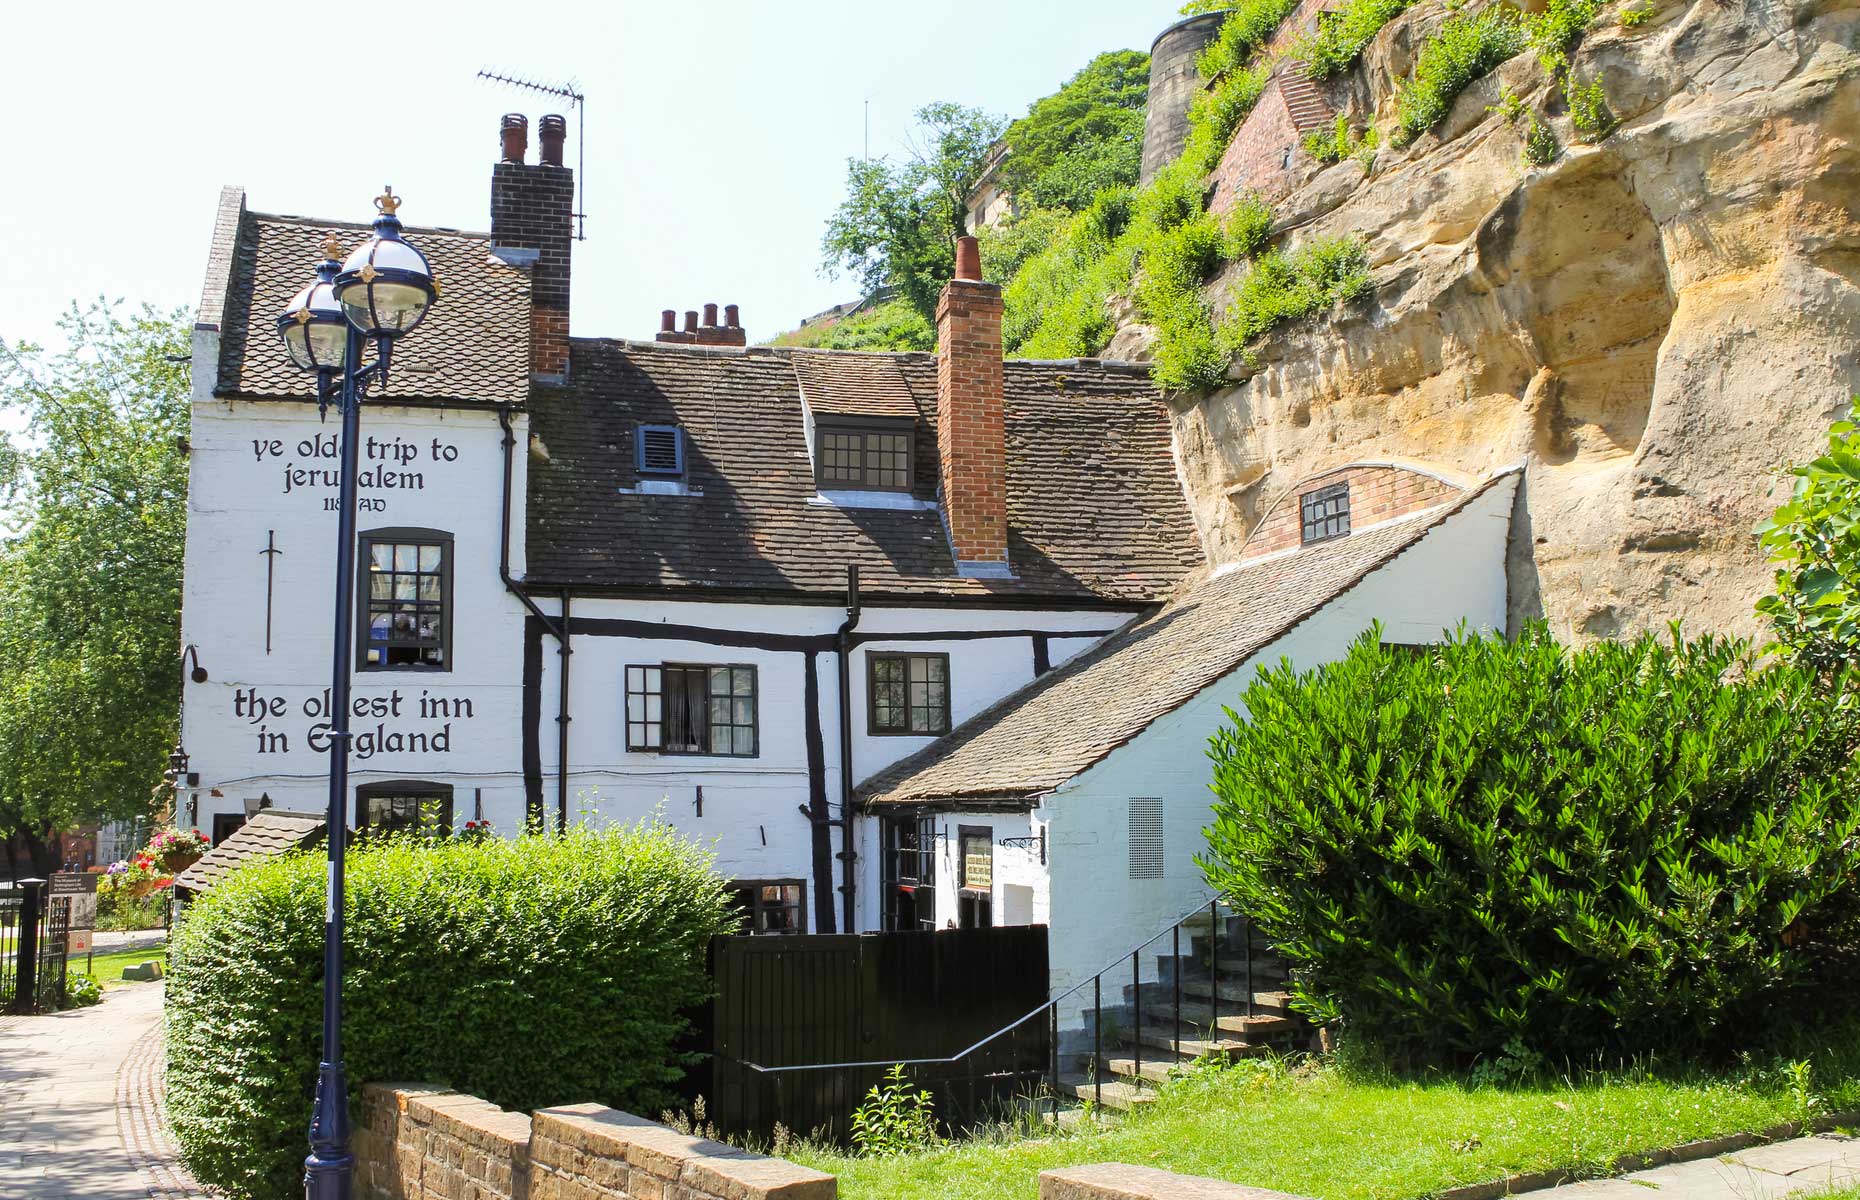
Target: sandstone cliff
{"type": "Point", "coordinates": [1652, 324]}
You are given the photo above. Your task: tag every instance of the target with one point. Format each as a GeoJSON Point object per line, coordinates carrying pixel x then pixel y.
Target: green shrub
{"type": "Point", "coordinates": [1634, 18]}
{"type": "Point", "coordinates": [1244, 31]}
{"type": "Point", "coordinates": [1588, 109]}
{"type": "Point", "coordinates": [894, 1118]}
{"type": "Point", "coordinates": [1343, 33]}
{"type": "Point", "coordinates": [537, 971]}
{"type": "Point", "coordinates": [1507, 848]}
{"type": "Point", "coordinates": [81, 991]}
{"type": "Point", "coordinates": [1555, 31]}
{"type": "Point", "coordinates": [1813, 538]}
{"type": "Point", "coordinates": [1466, 48]}
{"type": "Point", "coordinates": [1289, 287]}
{"type": "Point", "coordinates": [1540, 145]}
{"type": "Point", "coordinates": [891, 325]}
{"type": "Point", "coordinates": [1340, 142]}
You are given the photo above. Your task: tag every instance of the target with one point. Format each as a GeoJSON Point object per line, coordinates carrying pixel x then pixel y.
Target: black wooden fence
{"type": "Point", "coordinates": [32, 949]}
{"type": "Point", "coordinates": [803, 1026]}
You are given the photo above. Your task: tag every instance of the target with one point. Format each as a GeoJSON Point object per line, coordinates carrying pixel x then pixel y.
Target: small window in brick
{"type": "Point", "coordinates": [1324, 514]}
{"type": "Point", "coordinates": [876, 460]}
{"type": "Point", "coordinates": [661, 450]}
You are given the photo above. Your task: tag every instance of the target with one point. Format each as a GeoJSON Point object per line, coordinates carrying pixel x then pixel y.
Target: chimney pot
{"type": "Point", "coordinates": [730, 317]}
{"type": "Point", "coordinates": [514, 133]}
{"type": "Point", "coordinates": [691, 324]}
{"type": "Point", "coordinates": [710, 316]}
{"type": "Point", "coordinates": [968, 257]}
{"type": "Point", "coordinates": [552, 131]}
{"type": "Point", "coordinates": [668, 321]}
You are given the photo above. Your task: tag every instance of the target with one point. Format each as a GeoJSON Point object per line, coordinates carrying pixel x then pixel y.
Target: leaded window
{"type": "Point", "coordinates": [674, 708]}
{"type": "Point", "coordinates": [1324, 513]}
{"type": "Point", "coordinates": [403, 806]}
{"type": "Point", "coordinates": [406, 601]}
{"type": "Point", "coordinates": [865, 459]}
{"type": "Point", "coordinates": [909, 693]}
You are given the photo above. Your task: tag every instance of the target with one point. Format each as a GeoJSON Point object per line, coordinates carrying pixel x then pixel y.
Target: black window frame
{"type": "Point", "coordinates": [865, 430]}
{"type": "Point", "coordinates": [758, 904]}
{"type": "Point", "coordinates": [873, 659]}
{"type": "Point", "coordinates": [423, 791]}
{"type": "Point", "coordinates": [907, 872]}
{"type": "Point", "coordinates": [1324, 514]}
{"type": "Point", "coordinates": [230, 822]}
{"type": "Point", "coordinates": [639, 451]}
{"type": "Point", "coordinates": [364, 592]}
{"type": "Point", "coordinates": [975, 907]}
{"type": "Point", "coordinates": [636, 743]}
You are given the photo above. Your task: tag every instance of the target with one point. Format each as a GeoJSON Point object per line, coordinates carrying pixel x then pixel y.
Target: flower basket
{"type": "Point", "coordinates": [176, 861]}
{"type": "Point", "coordinates": [140, 888]}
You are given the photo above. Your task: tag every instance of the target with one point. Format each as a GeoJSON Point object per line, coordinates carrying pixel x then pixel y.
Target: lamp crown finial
{"type": "Point", "coordinates": [387, 203]}
{"type": "Point", "coordinates": [332, 247]}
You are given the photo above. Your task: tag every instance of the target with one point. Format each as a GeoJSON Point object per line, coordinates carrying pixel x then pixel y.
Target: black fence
{"type": "Point", "coordinates": [803, 1026]}
{"type": "Point", "coordinates": [32, 949]}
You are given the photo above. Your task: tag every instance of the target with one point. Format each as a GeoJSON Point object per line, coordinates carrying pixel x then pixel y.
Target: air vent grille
{"type": "Point", "coordinates": [661, 450]}
{"type": "Point", "coordinates": [1146, 837]}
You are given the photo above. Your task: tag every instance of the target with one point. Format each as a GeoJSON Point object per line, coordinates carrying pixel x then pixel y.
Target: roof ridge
{"type": "Point", "coordinates": [323, 223]}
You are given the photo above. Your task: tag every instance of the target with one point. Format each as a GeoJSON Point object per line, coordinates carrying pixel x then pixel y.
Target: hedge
{"type": "Point", "coordinates": [1510, 849]}
{"type": "Point", "coordinates": [534, 971]}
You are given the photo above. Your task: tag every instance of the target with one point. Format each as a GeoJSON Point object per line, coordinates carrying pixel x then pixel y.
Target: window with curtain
{"type": "Point", "coordinates": [677, 708]}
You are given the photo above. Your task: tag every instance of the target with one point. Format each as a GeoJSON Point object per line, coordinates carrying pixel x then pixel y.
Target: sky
{"type": "Point", "coordinates": [717, 132]}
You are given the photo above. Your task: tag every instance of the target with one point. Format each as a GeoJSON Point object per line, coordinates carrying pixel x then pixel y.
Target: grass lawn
{"type": "Point", "coordinates": [107, 969]}
{"type": "Point", "coordinates": [1320, 1132]}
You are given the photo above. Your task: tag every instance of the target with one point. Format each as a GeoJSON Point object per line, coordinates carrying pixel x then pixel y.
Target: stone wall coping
{"type": "Point", "coordinates": [1121, 1181]}
{"type": "Point", "coordinates": [702, 1165]}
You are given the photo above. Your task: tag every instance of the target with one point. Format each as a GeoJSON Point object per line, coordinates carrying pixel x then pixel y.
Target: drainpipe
{"type": "Point", "coordinates": [848, 856]}
{"type": "Point", "coordinates": [563, 650]}
{"type": "Point", "coordinates": [557, 629]}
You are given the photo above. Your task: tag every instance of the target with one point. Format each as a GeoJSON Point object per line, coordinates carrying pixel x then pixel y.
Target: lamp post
{"type": "Point", "coordinates": [377, 295]}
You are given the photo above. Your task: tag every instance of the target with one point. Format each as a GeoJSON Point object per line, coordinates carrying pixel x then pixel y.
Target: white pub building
{"type": "Point", "coordinates": [601, 579]}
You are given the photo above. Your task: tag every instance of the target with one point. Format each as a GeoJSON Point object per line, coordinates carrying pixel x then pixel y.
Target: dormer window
{"type": "Point", "coordinates": [1324, 514]}
{"type": "Point", "coordinates": [661, 451]}
{"type": "Point", "coordinates": [865, 457]}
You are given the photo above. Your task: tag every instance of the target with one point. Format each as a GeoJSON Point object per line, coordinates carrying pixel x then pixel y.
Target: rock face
{"type": "Point", "coordinates": [1652, 324]}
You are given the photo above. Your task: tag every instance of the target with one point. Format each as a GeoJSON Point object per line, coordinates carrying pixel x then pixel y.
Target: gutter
{"type": "Point", "coordinates": [848, 854]}
{"type": "Point", "coordinates": [557, 628]}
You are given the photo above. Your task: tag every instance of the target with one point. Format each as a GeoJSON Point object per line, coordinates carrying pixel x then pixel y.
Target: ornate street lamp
{"type": "Point", "coordinates": [378, 295]}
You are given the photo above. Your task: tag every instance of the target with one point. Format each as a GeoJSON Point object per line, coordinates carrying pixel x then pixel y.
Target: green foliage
{"type": "Point", "coordinates": [90, 572]}
{"type": "Point", "coordinates": [1054, 308]}
{"type": "Point", "coordinates": [1288, 287]}
{"type": "Point", "coordinates": [1540, 145]}
{"type": "Point", "coordinates": [1628, 847]}
{"type": "Point", "coordinates": [1634, 17]}
{"type": "Point", "coordinates": [535, 971]}
{"type": "Point", "coordinates": [1007, 245]}
{"type": "Point", "coordinates": [1588, 109]}
{"type": "Point", "coordinates": [1466, 48]}
{"type": "Point", "coordinates": [81, 991]}
{"type": "Point", "coordinates": [1555, 31]}
{"type": "Point", "coordinates": [1245, 30]}
{"type": "Point", "coordinates": [1084, 138]}
{"type": "Point", "coordinates": [898, 223]}
{"type": "Point", "coordinates": [1341, 142]}
{"type": "Point", "coordinates": [891, 325]}
{"type": "Point", "coordinates": [1814, 540]}
{"type": "Point", "coordinates": [894, 1119]}
{"type": "Point", "coordinates": [1342, 34]}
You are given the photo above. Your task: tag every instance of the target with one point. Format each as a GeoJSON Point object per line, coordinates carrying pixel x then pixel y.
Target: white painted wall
{"type": "Point", "coordinates": [1098, 913]}
{"type": "Point", "coordinates": [248, 479]}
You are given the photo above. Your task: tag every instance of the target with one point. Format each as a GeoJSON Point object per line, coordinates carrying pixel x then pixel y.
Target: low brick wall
{"type": "Point", "coordinates": [1120, 1181]}
{"type": "Point", "coordinates": [415, 1142]}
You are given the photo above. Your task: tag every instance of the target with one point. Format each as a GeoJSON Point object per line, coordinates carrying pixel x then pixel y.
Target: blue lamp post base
{"type": "Point", "coordinates": [330, 1168]}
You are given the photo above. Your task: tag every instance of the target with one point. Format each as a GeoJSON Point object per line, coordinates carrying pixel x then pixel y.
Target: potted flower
{"type": "Point", "coordinates": [142, 877]}
{"type": "Point", "coordinates": [176, 850]}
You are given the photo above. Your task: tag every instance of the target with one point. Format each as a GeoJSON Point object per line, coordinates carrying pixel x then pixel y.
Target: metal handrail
{"type": "Point", "coordinates": [1139, 948]}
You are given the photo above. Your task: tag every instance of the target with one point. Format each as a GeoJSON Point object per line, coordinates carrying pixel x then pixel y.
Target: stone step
{"type": "Point", "coordinates": [1159, 998]}
{"type": "Point", "coordinates": [1155, 1070]}
{"type": "Point", "coordinates": [1200, 1016]}
{"type": "Point", "coordinates": [1114, 1094]}
{"type": "Point", "coordinates": [1192, 1044]}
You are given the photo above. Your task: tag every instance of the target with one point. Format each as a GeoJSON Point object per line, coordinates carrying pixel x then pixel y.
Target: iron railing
{"type": "Point", "coordinates": [32, 949]}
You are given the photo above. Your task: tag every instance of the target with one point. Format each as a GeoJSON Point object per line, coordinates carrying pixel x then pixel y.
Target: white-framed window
{"type": "Point", "coordinates": [690, 708]}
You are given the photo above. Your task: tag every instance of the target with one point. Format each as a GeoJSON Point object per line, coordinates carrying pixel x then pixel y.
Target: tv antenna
{"type": "Point", "coordinates": [578, 102]}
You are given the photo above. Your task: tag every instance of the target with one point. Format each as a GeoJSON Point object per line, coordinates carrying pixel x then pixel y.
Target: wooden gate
{"type": "Point", "coordinates": [803, 1026]}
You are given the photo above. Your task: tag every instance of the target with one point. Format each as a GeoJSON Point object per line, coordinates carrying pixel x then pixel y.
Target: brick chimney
{"type": "Point", "coordinates": [710, 333]}
{"type": "Point", "coordinates": [532, 225]}
{"type": "Point", "coordinates": [971, 437]}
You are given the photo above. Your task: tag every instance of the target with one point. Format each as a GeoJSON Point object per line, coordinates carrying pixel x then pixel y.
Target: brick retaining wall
{"type": "Point", "coordinates": [415, 1142]}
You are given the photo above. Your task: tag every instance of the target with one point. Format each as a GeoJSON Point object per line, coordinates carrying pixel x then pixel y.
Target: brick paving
{"type": "Point", "coordinates": [80, 1104]}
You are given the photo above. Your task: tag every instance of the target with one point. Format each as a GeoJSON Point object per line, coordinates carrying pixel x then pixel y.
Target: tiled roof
{"type": "Point", "coordinates": [473, 346]}
{"type": "Point", "coordinates": [1033, 740]}
{"type": "Point", "coordinates": [1094, 508]}
{"type": "Point", "coordinates": [269, 831]}
{"type": "Point", "coordinates": [866, 385]}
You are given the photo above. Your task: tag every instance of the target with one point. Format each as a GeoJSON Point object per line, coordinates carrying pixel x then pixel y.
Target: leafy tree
{"type": "Point", "coordinates": [1084, 138]}
{"type": "Point", "coordinates": [899, 222]}
{"type": "Point", "coordinates": [1814, 538]}
{"type": "Point", "coordinates": [892, 325]}
{"type": "Point", "coordinates": [90, 572]}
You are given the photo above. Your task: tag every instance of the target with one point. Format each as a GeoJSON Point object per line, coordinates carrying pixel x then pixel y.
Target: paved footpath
{"type": "Point", "coordinates": [80, 1104]}
{"type": "Point", "coordinates": [1802, 1165]}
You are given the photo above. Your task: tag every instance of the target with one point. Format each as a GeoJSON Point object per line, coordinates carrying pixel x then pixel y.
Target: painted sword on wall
{"type": "Point", "coordinates": [270, 553]}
